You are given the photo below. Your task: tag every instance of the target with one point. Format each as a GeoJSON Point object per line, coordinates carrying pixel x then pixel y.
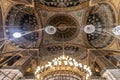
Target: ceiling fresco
{"type": "Point", "coordinates": [39, 49]}
{"type": "Point", "coordinates": [22, 19]}
{"type": "Point", "coordinates": [67, 27]}
{"type": "Point", "coordinates": [103, 18]}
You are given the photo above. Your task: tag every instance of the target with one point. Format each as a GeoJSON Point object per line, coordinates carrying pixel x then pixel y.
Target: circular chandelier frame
{"type": "Point", "coordinates": [61, 65]}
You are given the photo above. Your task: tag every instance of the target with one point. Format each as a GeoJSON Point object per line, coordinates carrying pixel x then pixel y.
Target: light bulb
{"type": "Point", "coordinates": [70, 59]}
{"type": "Point", "coordinates": [116, 30]}
{"type": "Point", "coordinates": [88, 68]}
{"type": "Point", "coordinates": [76, 64]}
{"type": "Point", "coordinates": [80, 65]}
{"type": "Point", "coordinates": [63, 57]}
{"type": "Point", "coordinates": [85, 67]}
{"type": "Point", "coordinates": [38, 67]}
{"type": "Point", "coordinates": [89, 29]}
{"type": "Point", "coordinates": [17, 34]}
{"type": "Point", "coordinates": [42, 67]}
{"type": "Point", "coordinates": [67, 58]}
{"type": "Point", "coordinates": [65, 62]}
{"type": "Point", "coordinates": [38, 76]}
{"type": "Point", "coordinates": [50, 30]}
{"type": "Point", "coordinates": [71, 64]}
{"type": "Point", "coordinates": [49, 64]}
{"type": "Point", "coordinates": [46, 65]}
{"type": "Point", "coordinates": [90, 73]}
{"type": "Point", "coordinates": [55, 63]}
{"type": "Point", "coordinates": [60, 62]}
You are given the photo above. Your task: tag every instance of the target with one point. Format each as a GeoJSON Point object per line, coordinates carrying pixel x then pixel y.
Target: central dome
{"type": "Point", "coordinates": [67, 27]}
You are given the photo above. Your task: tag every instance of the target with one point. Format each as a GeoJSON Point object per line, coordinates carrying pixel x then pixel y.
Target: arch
{"type": "Point", "coordinates": [23, 19]}
{"type": "Point", "coordinates": [105, 16]}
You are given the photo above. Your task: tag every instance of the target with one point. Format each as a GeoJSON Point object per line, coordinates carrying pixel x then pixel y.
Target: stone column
{"type": "Point", "coordinates": [22, 63]}
{"type": "Point", "coordinates": [99, 58]}
{"type": "Point", "coordinates": [104, 63]}
{"type": "Point", "coordinates": [112, 74]}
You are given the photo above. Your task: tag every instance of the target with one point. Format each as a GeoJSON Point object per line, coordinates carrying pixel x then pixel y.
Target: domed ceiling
{"type": "Point", "coordinates": [69, 38]}
{"type": "Point", "coordinates": [103, 18]}
{"type": "Point", "coordinates": [67, 27]}
{"type": "Point", "coordinates": [23, 20]}
{"type": "Point", "coordinates": [69, 32]}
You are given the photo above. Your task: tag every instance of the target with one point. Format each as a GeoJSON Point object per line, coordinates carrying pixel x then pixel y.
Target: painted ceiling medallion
{"type": "Point", "coordinates": [67, 27]}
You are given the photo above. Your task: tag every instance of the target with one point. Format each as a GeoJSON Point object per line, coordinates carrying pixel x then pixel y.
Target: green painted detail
{"type": "Point", "coordinates": [79, 14]}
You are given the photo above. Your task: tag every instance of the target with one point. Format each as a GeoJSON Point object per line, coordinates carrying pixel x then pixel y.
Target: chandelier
{"type": "Point", "coordinates": [63, 68]}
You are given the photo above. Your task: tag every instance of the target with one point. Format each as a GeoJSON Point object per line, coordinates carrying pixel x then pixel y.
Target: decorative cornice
{"type": "Point", "coordinates": [43, 7]}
